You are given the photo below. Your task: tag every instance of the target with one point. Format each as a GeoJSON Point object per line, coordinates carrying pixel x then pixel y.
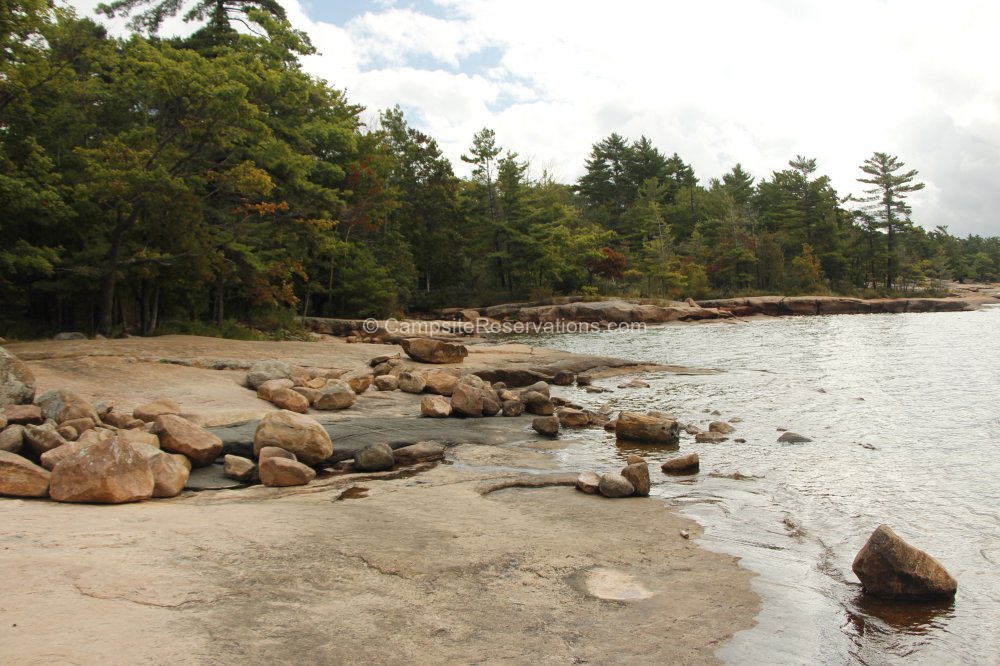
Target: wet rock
{"type": "Point", "coordinates": [387, 382]}
{"type": "Point", "coordinates": [546, 425]}
{"type": "Point", "coordinates": [108, 472]}
{"type": "Point", "coordinates": [793, 438]}
{"type": "Point", "coordinates": [239, 468]}
{"type": "Point", "coordinates": [722, 427]}
{"type": "Point", "coordinates": [42, 438]}
{"type": "Point", "coordinates": [615, 485]}
{"type": "Point", "coordinates": [63, 405]}
{"type": "Point", "coordinates": [688, 464]}
{"type": "Point", "coordinates": [12, 438]}
{"type": "Point", "coordinates": [419, 453]}
{"type": "Point", "coordinates": [512, 408]}
{"type": "Point", "coordinates": [295, 433]}
{"type": "Point", "coordinates": [178, 435]}
{"type": "Point", "coordinates": [692, 429]}
{"type": "Point", "coordinates": [274, 452]}
{"type": "Point", "coordinates": [596, 419]}
{"type": "Point", "coordinates": [335, 395]}
{"type": "Point", "coordinates": [584, 380]}
{"type": "Point", "coordinates": [537, 403]}
{"type": "Point", "coordinates": [435, 406]}
{"type": "Point", "coordinates": [267, 390]}
{"type": "Point", "coordinates": [151, 410]}
{"type": "Point", "coordinates": [262, 371]}
{"type": "Point", "coordinates": [572, 418]}
{"type": "Point", "coordinates": [374, 458]}
{"type": "Point", "coordinates": [710, 437]}
{"type": "Point", "coordinates": [428, 350]}
{"type": "Point", "coordinates": [440, 381]}
{"type": "Point", "coordinates": [588, 482]}
{"type": "Point", "coordinates": [19, 477]}
{"type": "Point", "coordinates": [638, 475]}
{"type": "Point", "coordinates": [644, 428]}
{"type": "Point", "coordinates": [635, 383]}
{"type": "Point", "coordinates": [595, 389]}
{"type": "Point", "coordinates": [23, 415]}
{"type": "Point", "coordinates": [632, 459]}
{"type": "Point", "coordinates": [286, 398]}
{"type": "Point", "coordinates": [412, 382]}
{"type": "Point", "coordinates": [282, 472]}
{"type": "Point", "coordinates": [17, 381]}
{"type": "Point", "coordinates": [611, 425]}
{"type": "Point", "coordinates": [563, 378]}
{"type": "Point", "coordinates": [890, 568]}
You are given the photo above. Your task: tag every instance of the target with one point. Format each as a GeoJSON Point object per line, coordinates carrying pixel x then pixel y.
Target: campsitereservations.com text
{"type": "Point", "coordinates": [493, 327]}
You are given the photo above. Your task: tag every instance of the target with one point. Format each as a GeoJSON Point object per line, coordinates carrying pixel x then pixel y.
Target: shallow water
{"type": "Point", "coordinates": [904, 416]}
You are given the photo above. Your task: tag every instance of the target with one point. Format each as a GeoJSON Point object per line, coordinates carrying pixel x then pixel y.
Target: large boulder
{"type": "Point", "coordinates": [62, 405]}
{"type": "Point", "coordinates": [151, 410]}
{"type": "Point", "coordinates": [19, 477]}
{"type": "Point", "coordinates": [644, 428]}
{"type": "Point", "coordinates": [286, 398]}
{"type": "Point", "coordinates": [267, 390]}
{"type": "Point", "coordinates": [467, 397]}
{"type": "Point", "coordinates": [546, 425]}
{"type": "Point", "coordinates": [17, 381]}
{"type": "Point", "coordinates": [336, 394]}
{"type": "Point", "coordinates": [440, 380]}
{"type": "Point", "coordinates": [435, 406]}
{"type": "Point", "coordinates": [890, 568]}
{"type": "Point", "coordinates": [262, 371]}
{"type": "Point", "coordinates": [108, 472]}
{"type": "Point", "coordinates": [295, 433]}
{"type": "Point", "coordinates": [637, 474]}
{"type": "Point", "coordinates": [282, 472]}
{"type": "Point", "coordinates": [376, 457]}
{"type": "Point", "coordinates": [178, 435]}
{"type": "Point", "coordinates": [428, 350]}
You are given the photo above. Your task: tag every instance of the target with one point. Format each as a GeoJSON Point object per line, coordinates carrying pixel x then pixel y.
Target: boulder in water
{"type": "Point", "coordinates": [890, 568]}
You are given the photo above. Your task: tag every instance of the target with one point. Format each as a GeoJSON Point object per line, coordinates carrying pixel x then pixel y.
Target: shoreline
{"type": "Point", "coordinates": [439, 565]}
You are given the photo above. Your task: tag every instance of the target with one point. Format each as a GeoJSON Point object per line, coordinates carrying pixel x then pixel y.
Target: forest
{"type": "Point", "coordinates": [208, 184]}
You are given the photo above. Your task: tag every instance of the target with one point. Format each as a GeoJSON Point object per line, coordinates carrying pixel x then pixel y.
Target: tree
{"type": "Point", "coordinates": [886, 201]}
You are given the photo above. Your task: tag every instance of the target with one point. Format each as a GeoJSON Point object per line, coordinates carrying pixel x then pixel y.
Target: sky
{"type": "Point", "coordinates": [716, 81]}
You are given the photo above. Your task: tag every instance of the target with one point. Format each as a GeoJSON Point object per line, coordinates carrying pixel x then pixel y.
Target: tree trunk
{"type": "Point", "coordinates": [220, 299]}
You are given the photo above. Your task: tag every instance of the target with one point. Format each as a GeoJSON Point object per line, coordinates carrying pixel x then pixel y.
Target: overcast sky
{"type": "Point", "coordinates": [717, 81]}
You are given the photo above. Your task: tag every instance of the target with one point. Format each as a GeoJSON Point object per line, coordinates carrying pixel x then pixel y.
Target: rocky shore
{"type": "Point", "coordinates": [450, 560]}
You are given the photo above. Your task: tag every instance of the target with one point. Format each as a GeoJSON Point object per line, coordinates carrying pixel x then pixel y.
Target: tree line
{"type": "Point", "coordinates": [207, 182]}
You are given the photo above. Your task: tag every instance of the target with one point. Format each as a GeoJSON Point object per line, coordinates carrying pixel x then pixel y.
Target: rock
{"type": "Point", "coordinates": [313, 383]}
{"type": "Point", "coordinates": [63, 405]}
{"type": "Point", "coordinates": [12, 438]}
{"type": "Point", "coordinates": [170, 470]}
{"type": "Point", "coordinates": [584, 380]}
{"type": "Point", "coordinates": [274, 452]}
{"type": "Point", "coordinates": [239, 468]}
{"type": "Point", "coordinates": [387, 382]}
{"type": "Point", "coordinates": [53, 457]}
{"type": "Point", "coordinates": [632, 459]}
{"type": "Point", "coordinates": [435, 406]}
{"type": "Point", "coordinates": [440, 381]}
{"type": "Point", "coordinates": [692, 429]}
{"type": "Point", "coordinates": [428, 350]}
{"type": "Point", "coordinates": [80, 425]}
{"type": "Point", "coordinates": [69, 433]}
{"type": "Point", "coordinates": [685, 534]}
{"type": "Point", "coordinates": [467, 400]}
{"type": "Point", "coordinates": [638, 475]}
{"type": "Point", "coordinates": [536, 403]}
{"type": "Point", "coordinates": [137, 436]}
{"type": "Point", "coordinates": [309, 394]}
{"type": "Point", "coordinates": [374, 458]}
{"type": "Point", "coordinates": [563, 378]}
{"type": "Point", "coordinates": [3, 422]}
{"type": "Point", "coordinates": [890, 568]}
{"type": "Point", "coordinates": [721, 426]}
{"type": "Point", "coordinates": [412, 382]}
{"type": "Point", "coordinates": [335, 395]}
{"type": "Point", "coordinates": [710, 437]}
{"type": "Point", "coordinates": [117, 420]}
{"type": "Point", "coordinates": [419, 453]}
{"type": "Point", "coordinates": [394, 366]}
{"type": "Point", "coordinates": [513, 377]}
{"type": "Point", "coordinates": [99, 435]}
{"type": "Point", "coordinates": [69, 335]}
{"type": "Point", "coordinates": [295, 433]}
{"type": "Point", "coordinates": [643, 428]}
{"type": "Point", "coordinates": [19, 477]}
{"type": "Point", "coordinates": [688, 464]}
{"type": "Point", "coordinates": [151, 410]}
{"type": "Point", "coordinates": [546, 425]}
{"type": "Point", "coordinates": [286, 398]}
{"type": "Point", "coordinates": [588, 482]}
{"type": "Point", "coordinates": [512, 408]}
{"type": "Point", "coordinates": [17, 381]}
{"type": "Point", "coordinates": [572, 418]}
{"type": "Point", "coordinates": [262, 371]}
{"type": "Point", "coordinates": [635, 383]}
{"type": "Point", "coordinates": [23, 414]}
{"type": "Point", "coordinates": [379, 360]}
{"type": "Point", "coordinates": [42, 438]}
{"type": "Point", "coordinates": [267, 389]}
{"type": "Point", "coordinates": [793, 438]}
{"type": "Point", "coordinates": [537, 387]}
{"type": "Point", "coordinates": [615, 485]}
{"type": "Point", "coordinates": [282, 472]}
{"type": "Point", "coordinates": [108, 472]}
{"type": "Point", "coordinates": [359, 381]}
{"type": "Point", "coordinates": [595, 389]}
{"type": "Point", "coordinates": [178, 435]}
{"type": "Point", "coordinates": [611, 425]}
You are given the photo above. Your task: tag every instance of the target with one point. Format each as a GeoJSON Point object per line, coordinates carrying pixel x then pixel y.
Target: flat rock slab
{"type": "Point", "coordinates": [350, 435]}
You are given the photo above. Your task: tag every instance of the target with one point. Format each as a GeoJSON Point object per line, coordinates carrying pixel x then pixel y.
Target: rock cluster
{"type": "Point", "coordinates": [633, 480]}
{"type": "Point", "coordinates": [298, 389]}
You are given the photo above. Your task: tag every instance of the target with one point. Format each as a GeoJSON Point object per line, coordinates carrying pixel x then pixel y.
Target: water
{"type": "Point", "coordinates": [904, 416]}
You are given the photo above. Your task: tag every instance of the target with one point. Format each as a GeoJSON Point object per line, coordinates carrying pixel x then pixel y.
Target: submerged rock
{"type": "Point", "coordinates": [793, 438]}
{"type": "Point", "coordinates": [890, 568]}
{"type": "Point", "coordinates": [722, 427]}
{"type": "Point", "coordinates": [710, 437]}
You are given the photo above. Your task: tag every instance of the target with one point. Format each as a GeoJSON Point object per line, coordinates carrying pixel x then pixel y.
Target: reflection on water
{"type": "Point", "coordinates": [903, 415]}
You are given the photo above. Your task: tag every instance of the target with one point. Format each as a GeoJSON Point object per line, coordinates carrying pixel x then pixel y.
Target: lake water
{"type": "Point", "coordinates": [904, 415]}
